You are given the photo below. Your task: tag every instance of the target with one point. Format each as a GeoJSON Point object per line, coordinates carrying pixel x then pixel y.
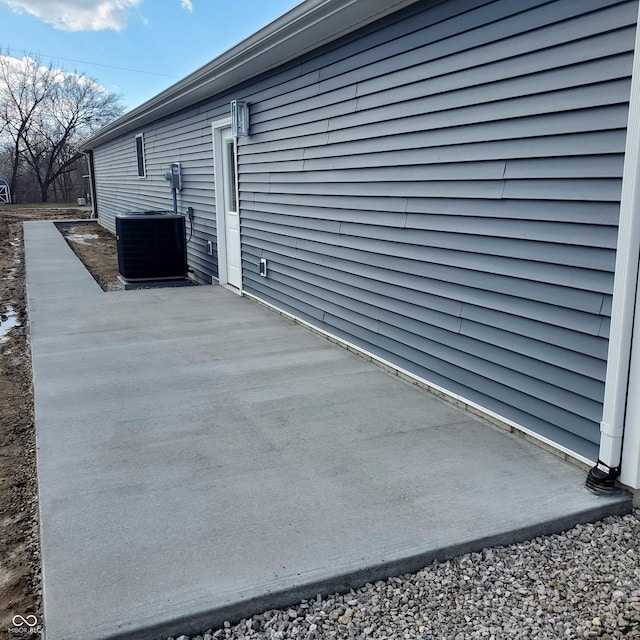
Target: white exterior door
{"type": "Point", "coordinates": [227, 207]}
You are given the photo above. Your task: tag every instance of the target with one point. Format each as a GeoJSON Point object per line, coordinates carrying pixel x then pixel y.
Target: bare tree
{"type": "Point", "coordinates": [45, 112]}
{"type": "Point", "coordinates": [24, 85]}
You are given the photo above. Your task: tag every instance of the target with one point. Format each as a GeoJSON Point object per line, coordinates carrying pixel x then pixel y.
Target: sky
{"type": "Point", "coordinates": [136, 48]}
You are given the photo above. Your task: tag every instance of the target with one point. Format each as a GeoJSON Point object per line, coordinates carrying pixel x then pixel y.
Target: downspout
{"type": "Point", "coordinates": [92, 183]}
{"type": "Point", "coordinates": [602, 477]}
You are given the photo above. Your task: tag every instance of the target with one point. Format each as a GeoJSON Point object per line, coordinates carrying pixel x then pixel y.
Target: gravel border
{"type": "Point", "coordinates": [582, 583]}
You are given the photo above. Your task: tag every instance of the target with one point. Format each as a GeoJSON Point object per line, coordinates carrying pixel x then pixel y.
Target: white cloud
{"type": "Point", "coordinates": [187, 4]}
{"type": "Point", "coordinates": [22, 65]}
{"type": "Point", "coordinates": [77, 15]}
{"type": "Point", "coordinates": [33, 66]}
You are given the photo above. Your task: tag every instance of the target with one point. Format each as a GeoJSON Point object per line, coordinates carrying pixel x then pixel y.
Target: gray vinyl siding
{"type": "Point", "coordinates": [447, 198]}
{"type": "Point", "coordinates": [441, 189]}
{"type": "Point", "coordinates": [187, 140]}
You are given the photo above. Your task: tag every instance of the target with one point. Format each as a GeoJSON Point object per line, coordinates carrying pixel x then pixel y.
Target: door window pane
{"type": "Point", "coordinates": [232, 197]}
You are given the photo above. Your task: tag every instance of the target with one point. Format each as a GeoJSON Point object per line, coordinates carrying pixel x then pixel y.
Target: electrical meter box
{"type": "Point", "coordinates": [174, 175]}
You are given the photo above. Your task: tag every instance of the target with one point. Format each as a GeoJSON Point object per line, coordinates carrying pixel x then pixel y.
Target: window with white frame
{"type": "Point", "coordinates": [142, 171]}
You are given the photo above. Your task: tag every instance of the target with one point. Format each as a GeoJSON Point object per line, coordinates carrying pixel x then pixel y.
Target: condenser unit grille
{"type": "Point", "coordinates": [151, 246]}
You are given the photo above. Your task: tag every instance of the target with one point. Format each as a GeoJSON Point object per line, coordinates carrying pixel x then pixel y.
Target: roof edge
{"type": "Point", "coordinates": [307, 26]}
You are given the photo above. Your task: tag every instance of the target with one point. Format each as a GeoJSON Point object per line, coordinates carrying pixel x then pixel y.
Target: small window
{"type": "Point", "coordinates": [140, 155]}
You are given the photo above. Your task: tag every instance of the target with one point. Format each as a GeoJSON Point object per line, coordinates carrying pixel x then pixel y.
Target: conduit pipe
{"type": "Point", "coordinates": [602, 477]}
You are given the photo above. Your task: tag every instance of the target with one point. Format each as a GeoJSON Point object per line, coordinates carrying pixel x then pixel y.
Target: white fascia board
{"type": "Point", "coordinates": [308, 26]}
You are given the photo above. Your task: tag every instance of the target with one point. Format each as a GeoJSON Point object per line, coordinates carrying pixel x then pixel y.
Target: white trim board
{"type": "Point", "coordinates": [629, 395]}
{"type": "Point", "coordinates": [216, 129]}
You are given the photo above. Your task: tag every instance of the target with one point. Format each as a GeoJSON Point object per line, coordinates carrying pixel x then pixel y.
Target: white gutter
{"type": "Point", "coordinates": [625, 285]}
{"type": "Point", "coordinates": [307, 26]}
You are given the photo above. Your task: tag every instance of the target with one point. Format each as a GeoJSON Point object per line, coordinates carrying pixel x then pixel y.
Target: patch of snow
{"type": "Point", "coordinates": [8, 320]}
{"type": "Point", "coordinates": [82, 238]}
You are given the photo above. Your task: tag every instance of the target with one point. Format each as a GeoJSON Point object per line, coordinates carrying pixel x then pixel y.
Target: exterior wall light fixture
{"type": "Point", "coordinates": [239, 118]}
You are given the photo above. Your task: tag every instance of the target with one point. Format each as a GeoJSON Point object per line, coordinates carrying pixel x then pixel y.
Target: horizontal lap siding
{"type": "Point", "coordinates": [442, 189]}
{"type": "Point", "coordinates": [185, 138]}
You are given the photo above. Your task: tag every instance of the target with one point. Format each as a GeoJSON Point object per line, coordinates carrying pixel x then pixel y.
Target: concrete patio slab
{"type": "Point", "coordinates": [201, 459]}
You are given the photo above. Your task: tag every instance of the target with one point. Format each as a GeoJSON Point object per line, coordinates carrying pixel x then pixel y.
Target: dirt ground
{"type": "Point", "coordinates": [96, 247]}
{"type": "Point", "coordinates": [21, 612]}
